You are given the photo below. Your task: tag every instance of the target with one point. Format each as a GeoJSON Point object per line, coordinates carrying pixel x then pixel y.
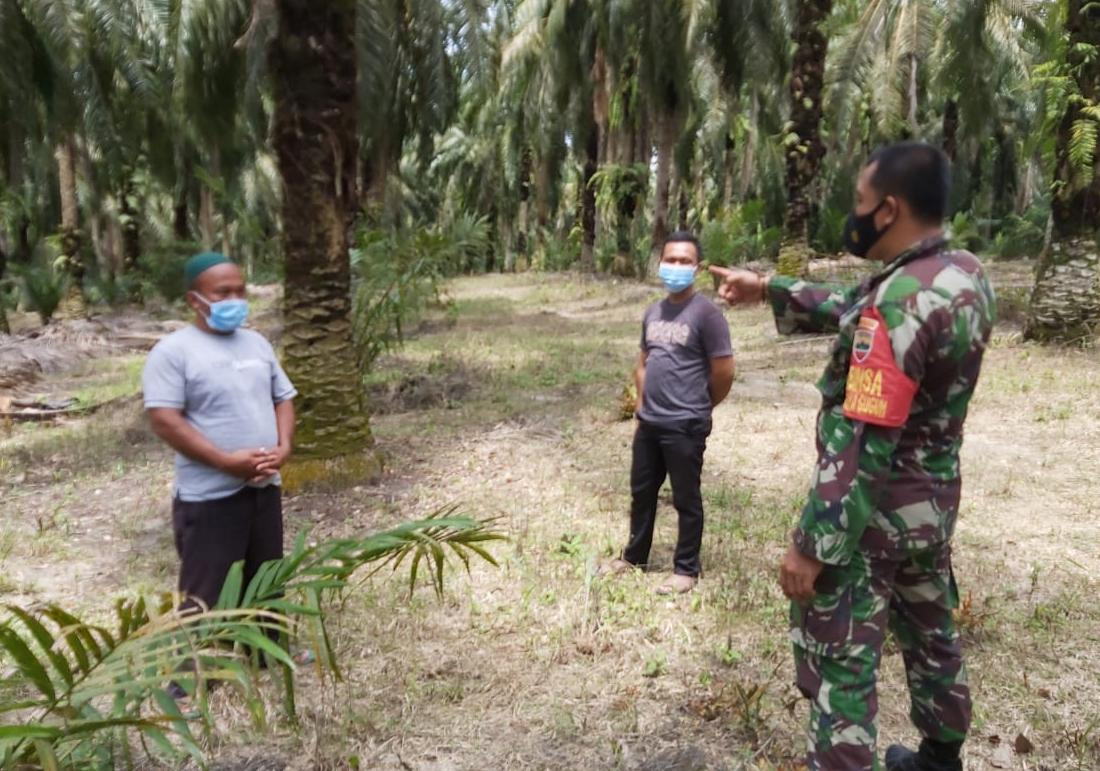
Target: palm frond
{"type": "Point", "coordinates": [530, 20]}
{"type": "Point", "coordinates": [1082, 149]}
{"type": "Point", "coordinates": [79, 684]}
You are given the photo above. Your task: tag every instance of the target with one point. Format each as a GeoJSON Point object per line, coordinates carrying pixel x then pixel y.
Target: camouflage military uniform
{"type": "Point", "coordinates": [884, 498]}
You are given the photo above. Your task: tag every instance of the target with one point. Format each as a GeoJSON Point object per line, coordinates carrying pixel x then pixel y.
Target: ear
{"type": "Point", "coordinates": [891, 206]}
{"type": "Point", "coordinates": [193, 301]}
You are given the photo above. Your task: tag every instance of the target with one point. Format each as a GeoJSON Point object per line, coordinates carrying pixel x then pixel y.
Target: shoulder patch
{"type": "Point", "coordinates": [878, 391]}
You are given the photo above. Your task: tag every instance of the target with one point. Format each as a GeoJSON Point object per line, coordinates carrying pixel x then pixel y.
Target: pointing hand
{"type": "Point", "coordinates": [739, 287]}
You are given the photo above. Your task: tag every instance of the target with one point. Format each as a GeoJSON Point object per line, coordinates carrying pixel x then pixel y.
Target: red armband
{"type": "Point", "coordinates": [878, 391]}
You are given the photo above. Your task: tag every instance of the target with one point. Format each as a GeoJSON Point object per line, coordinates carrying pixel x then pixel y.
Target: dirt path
{"type": "Point", "coordinates": [510, 411]}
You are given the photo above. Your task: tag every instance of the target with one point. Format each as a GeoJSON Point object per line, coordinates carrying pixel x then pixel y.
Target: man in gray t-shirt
{"type": "Point", "coordinates": [685, 368]}
{"type": "Point", "coordinates": [216, 394]}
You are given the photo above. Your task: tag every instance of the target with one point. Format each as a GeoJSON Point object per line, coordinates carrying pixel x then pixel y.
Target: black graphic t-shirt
{"type": "Point", "coordinates": [680, 340]}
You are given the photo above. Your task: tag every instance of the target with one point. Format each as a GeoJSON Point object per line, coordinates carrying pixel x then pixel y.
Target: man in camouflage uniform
{"type": "Point", "coordinates": [872, 550]}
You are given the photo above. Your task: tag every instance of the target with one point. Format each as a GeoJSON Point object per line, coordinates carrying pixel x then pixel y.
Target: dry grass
{"type": "Point", "coordinates": [542, 665]}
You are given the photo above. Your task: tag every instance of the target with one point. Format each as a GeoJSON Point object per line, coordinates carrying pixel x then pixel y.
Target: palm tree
{"type": "Point", "coordinates": [72, 259]}
{"type": "Point", "coordinates": [666, 33]}
{"type": "Point", "coordinates": [1065, 303]}
{"type": "Point", "coordinates": [565, 41]}
{"type": "Point", "coordinates": [50, 38]}
{"type": "Point", "coordinates": [803, 144]}
{"type": "Point", "coordinates": [313, 74]}
{"type": "Point", "coordinates": [408, 89]}
{"type": "Point", "coordinates": [909, 61]}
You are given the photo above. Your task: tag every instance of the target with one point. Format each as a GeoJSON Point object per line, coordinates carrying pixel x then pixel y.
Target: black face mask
{"type": "Point", "coordinates": [860, 233]}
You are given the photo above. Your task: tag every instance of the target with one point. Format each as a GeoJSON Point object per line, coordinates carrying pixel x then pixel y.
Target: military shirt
{"type": "Point", "coordinates": [887, 484]}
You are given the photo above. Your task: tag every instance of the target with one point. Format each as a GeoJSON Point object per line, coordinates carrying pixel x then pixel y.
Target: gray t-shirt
{"type": "Point", "coordinates": [227, 387]}
{"type": "Point", "coordinates": [680, 340]}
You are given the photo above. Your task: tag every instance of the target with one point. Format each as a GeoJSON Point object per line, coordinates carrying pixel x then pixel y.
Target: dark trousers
{"type": "Point", "coordinates": [674, 451]}
{"type": "Point", "coordinates": [212, 535]}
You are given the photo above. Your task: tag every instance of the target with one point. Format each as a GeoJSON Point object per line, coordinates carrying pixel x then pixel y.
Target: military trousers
{"type": "Point", "coordinates": [838, 639]}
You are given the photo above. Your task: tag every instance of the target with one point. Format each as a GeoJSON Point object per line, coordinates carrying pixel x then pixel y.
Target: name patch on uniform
{"type": "Point", "coordinates": [878, 391]}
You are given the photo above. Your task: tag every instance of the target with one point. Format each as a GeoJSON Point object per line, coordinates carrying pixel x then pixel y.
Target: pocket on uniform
{"type": "Point", "coordinates": [952, 589]}
{"type": "Point", "coordinates": [824, 625]}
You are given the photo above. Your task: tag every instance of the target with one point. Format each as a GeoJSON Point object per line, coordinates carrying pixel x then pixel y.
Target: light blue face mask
{"type": "Point", "coordinates": [676, 278]}
{"type": "Point", "coordinates": [225, 315]}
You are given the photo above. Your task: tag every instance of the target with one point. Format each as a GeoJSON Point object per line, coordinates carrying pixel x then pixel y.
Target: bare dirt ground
{"type": "Point", "coordinates": [507, 405]}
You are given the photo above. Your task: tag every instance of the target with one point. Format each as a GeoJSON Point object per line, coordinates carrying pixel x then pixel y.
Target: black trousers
{"type": "Point", "coordinates": [674, 451]}
{"type": "Point", "coordinates": [212, 535]}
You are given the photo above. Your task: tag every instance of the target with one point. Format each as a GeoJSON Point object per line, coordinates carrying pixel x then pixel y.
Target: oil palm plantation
{"type": "Point", "coordinates": [566, 42]}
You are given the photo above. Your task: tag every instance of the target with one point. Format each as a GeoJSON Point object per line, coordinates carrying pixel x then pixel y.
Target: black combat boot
{"type": "Point", "coordinates": [932, 756]}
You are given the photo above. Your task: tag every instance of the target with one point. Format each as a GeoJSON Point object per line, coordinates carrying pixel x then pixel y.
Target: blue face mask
{"type": "Point", "coordinates": [225, 315]}
{"type": "Point", "coordinates": [676, 278]}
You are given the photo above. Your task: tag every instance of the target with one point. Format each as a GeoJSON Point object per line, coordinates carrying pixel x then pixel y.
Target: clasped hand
{"type": "Point", "coordinates": [256, 465]}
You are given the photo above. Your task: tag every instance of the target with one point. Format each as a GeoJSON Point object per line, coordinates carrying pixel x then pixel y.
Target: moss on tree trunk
{"type": "Point", "coordinates": [803, 146]}
{"type": "Point", "coordinates": [312, 61]}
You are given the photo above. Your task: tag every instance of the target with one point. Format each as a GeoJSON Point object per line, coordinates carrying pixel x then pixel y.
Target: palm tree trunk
{"type": "Point", "coordinates": [14, 177]}
{"type": "Point", "coordinates": [21, 250]}
{"type": "Point", "coordinates": [523, 217]}
{"type": "Point", "coordinates": [374, 173]}
{"type": "Point", "coordinates": [914, 126]}
{"type": "Point", "coordinates": [1065, 302]}
{"type": "Point", "coordinates": [748, 156]}
{"type": "Point", "coordinates": [181, 227]}
{"type": "Point", "coordinates": [666, 139]}
{"type": "Point", "coordinates": [131, 240]}
{"type": "Point", "coordinates": [729, 170]}
{"type": "Point", "coordinates": [951, 129]}
{"type": "Point", "coordinates": [588, 201]}
{"type": "Point", "coordinates": [206, 217]}
{"type": "Point", "coordinates": [313, 69]}
{"type": "Point", "coordinates": [1026, 194]}
{"type": "Point", "coordinates": [804, 148]}
{"type": "Point", "coordinates": [5, 329]}
{"type": "Point", "coordinates": [227, 239]}
{"type": "Point", "coordinates": [207, 203]}
{"type": "Point", "coordinates": [72, 305]}
{"type": "Point", "coordinates": [1005, 174]}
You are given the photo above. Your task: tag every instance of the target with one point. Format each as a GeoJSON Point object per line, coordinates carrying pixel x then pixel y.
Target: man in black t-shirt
{"type": "Point", "coordinates": [685, 368]}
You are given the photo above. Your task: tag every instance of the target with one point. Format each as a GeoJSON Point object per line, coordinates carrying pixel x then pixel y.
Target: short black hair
{"type": "Point", "coordinates": [916, 172]}
{"type": "Point", "coordinates": [684, 236]}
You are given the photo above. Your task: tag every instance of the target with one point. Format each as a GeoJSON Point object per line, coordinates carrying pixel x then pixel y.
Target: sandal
{"type": "Point", "coordinates": [677, 584]}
